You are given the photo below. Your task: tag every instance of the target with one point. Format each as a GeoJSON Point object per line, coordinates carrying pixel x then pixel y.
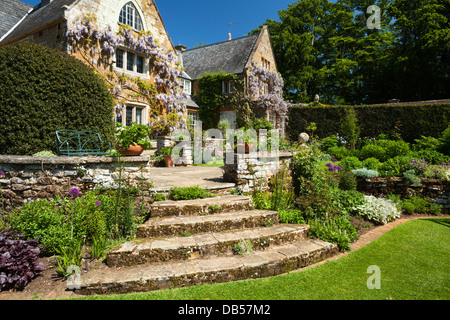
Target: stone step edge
{"type": "Point", "coordinates": [214, 222]}
{"type": "Point", "coordinates": [202, 245]}
{"type": "Point", "coordinates": [219, 204]}
{"type": "Point", "coordinates": [271, 262]}
{"type": "Point", "coordinates": [215, 188]}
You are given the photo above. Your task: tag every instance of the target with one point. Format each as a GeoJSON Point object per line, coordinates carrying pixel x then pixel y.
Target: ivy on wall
{"type": "Point", "coordinates": [211, 99]}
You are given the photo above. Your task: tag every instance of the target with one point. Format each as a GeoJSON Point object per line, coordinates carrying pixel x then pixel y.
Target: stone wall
{"type": "Point", "coordinates": [28, 179]}
{"type": "Point", "coordinates": [246, 169]}
{"type": "Point", "coordinates": [435, 189]}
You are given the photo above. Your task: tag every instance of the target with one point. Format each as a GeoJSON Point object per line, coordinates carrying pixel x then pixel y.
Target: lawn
{"type": "Point", "coordinates": [413, 259]}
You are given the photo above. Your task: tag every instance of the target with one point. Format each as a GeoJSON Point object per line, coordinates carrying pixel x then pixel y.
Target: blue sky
{"type": "Point", "coordinates": [197, 22]}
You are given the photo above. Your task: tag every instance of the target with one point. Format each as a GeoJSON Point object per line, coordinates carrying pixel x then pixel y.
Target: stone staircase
{"type": "Point", "coordinates": [195, 242]}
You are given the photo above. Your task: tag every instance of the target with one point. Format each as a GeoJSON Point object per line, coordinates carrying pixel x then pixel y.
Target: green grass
{"type": "Point", "coordinates": [413, 258]}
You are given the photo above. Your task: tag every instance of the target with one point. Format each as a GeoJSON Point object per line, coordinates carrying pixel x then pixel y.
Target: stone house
{"type": "Point", "coordinates": [52, 22]}
{"type": "Point", "coordinates": [135, 55]}
{"type": "Point", "coordinates": [235, 56]}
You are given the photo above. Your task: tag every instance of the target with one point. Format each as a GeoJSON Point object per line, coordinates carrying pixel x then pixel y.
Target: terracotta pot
{"type": "Point", "coordinates": [169, 161]}
{"type": "Point", "coordinates": [132, 151]}
{"type": "Point", "coordinates": [247, 147]}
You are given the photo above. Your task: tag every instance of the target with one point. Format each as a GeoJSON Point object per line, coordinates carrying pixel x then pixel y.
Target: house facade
{"type": "Point", "coordinates": [125, 41]}
{"type": "Point", "coordinates": [152, 81]}
{"type": "Point", "coordinates": [246, 57]}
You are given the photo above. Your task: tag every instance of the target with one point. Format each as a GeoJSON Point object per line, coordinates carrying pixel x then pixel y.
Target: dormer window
{"type": "Point", "coordinates": [186, 86]}
{"type": "Point", "coordinates": [130, 16]}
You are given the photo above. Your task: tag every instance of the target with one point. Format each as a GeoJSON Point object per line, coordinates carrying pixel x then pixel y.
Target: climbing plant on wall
{"type": "Point", "coordinates": [97, 48]}
{"type": "Point", "coordinates": [265, 88]}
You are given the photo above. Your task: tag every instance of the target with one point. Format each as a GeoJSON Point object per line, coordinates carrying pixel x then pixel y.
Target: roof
{"type": "Point", "coordinates": [11, 12]}
{"type": "Point", "coordinates": [41, 15]}
{"type": "Point", "coordinates": [229, 56]}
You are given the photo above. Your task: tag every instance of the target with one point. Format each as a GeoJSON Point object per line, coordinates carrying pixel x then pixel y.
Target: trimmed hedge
{"type": "Point", "coordinates": [43, 90]}
{"type": "Point", "coordinates": [411, 122]}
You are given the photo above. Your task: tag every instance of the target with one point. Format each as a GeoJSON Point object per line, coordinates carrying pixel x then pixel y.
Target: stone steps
{"type": "Point", "coordinates": [270, 262]}
{"type": "Point", "coordinates": [187, 225]}
{"type": "Point", "coordinates": [217, 204]}
{"type": "Point", "coordinates": [202, 245]}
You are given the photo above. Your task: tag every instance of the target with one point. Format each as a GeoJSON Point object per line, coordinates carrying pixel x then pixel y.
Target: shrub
{"type": "Point", "coordinates": [395, 167]}
{"type": "Point", "coordinates": [349, 127]}
{"type": "Point", "coordinates": [312, 186]}
{"type": "Point", "coordinates": [351, 163]}
{"type": "Point", "coordinates": [419, 205]}
{"type": "Point", "coordinates": [329, 142]}
{"type": "Point", "coordinates": [18, 261]}
{"type": "Point", "coordinates": [43, 220]}
{"type": "Point", "coordinates": [189, 193]}
{"type": "Point", "coordinates": [365, 173]}
{"type": "Point", "coordinates": [426, 143]}
{"type": "Point", "coordinates": [338, 231]}
{"type": "Point", "coordinates": [44, 90]}
{"type": "Point", "coordinates": [410, 178]}
{"type": "Point", "coordinates": [292, 216]}
{"type": "Point", "coordinates": [378, 210]}
{"type": "Point", "coordinates": [445, 147]}
{"type": "Point", "coordinates": [347, 181]}
{"type": "Point", "coordinates": [339, 152]}
{"type": "Point", "coordinates": [394, 148]}
{"type": "Point", "coordinates": [373, 151]}
{"type": "Point", "coordinates": [371, 163]}
{"type": "Point", "coordinates": [431, 156]}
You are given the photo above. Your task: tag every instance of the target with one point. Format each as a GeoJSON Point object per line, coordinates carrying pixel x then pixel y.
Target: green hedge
{"type": "Point", "coordinates": [43, 90]}
{"type": "Point", "coordinates": [410, 121]}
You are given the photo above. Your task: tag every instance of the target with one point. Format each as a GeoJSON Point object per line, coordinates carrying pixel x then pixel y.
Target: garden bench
{"type": "Point", "coordinates": [74, 143]}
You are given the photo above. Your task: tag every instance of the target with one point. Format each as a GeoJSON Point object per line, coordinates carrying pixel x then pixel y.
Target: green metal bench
{"type": "Point", "coordinates": [73, 143]}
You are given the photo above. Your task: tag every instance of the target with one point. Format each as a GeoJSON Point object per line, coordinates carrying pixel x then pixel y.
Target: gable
{"type": "Point", "coordinates": [106, 11]}
{"type": "Point", "coordinates": [229, 56]}
{"type": "Point", "coordinates": [263, 51]}
{"type": "Point", "coordinates": [11, 12]}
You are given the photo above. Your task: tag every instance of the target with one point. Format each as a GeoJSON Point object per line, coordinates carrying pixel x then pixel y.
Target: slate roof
{"type": "Point", "coordinates": [40, 16]}
{"type": "Point", "coordinates": [229, 56]}
{"type": "Point", "coordinates": [11, 12]}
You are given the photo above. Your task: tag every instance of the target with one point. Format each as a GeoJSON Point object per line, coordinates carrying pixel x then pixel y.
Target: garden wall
{"type": "Point", "coordinates": [435, 189]}
{"type": "Point", "coordinates": [28, 179]}
{"type": "Point", "coordinates": [246, 169]}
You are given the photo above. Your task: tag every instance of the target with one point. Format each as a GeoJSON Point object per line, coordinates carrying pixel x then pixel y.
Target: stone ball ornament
{"type": "Point", "coordinates": [303, 137]}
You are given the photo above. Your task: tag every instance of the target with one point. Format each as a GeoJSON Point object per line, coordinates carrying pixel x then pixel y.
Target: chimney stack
{"type": "Point", "coordinates": [180, 48]}
{"type": "Point", "coordinates": [229, 36]}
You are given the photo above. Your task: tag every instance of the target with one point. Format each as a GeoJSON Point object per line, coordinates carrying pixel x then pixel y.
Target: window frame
{"type": "Point", "coordinates": [133, 107]}
{"type": "Point", "coordinates": [125, 63]}
{"type": "Point", "coordinates": [129, 15]}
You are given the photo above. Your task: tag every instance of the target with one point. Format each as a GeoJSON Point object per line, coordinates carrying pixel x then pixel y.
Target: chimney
{"type": "Point", "coordinates": [180, 48]}
{"type": "Point", "coordinates": [229, 36]}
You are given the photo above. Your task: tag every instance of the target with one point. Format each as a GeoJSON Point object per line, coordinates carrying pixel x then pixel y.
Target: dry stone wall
{"type": "Point", "coordinates": [28, 179]}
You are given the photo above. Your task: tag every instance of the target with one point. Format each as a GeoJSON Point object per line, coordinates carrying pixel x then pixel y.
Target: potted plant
{"type": "Point", "coordinates": [167, 152]}
{"type": "Point", "coordinates": [133, 140]}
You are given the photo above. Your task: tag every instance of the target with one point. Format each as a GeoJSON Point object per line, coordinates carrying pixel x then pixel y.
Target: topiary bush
{"type": "Point", "coordinates": [43, 90]}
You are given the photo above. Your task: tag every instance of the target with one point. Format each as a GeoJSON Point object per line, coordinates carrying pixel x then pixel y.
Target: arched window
{"type": "Point", "coordinates": [130, 16]}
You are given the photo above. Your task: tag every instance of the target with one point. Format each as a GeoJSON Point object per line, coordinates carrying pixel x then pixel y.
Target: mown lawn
{"type": "Point", "coordinates": [414, 260]}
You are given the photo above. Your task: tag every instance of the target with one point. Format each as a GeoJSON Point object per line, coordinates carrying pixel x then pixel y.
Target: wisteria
{"type": "Point", "coordinates": [102, 45]}
{"type": "Point", "coordinates": [267, 86]}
